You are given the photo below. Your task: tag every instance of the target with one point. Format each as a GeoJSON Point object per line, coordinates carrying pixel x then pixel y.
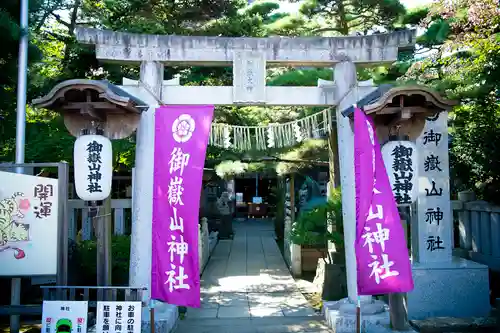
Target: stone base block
{"type": "Point", "coordinates": [166, 316]}
{"type": "Point", "coordinates": [459, 288]}
{"type": "Point", "coordinates": [341, 317]}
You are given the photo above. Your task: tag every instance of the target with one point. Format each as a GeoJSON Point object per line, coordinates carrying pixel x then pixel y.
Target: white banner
{"type": "Point", "coordinates": [64, 317]}
{"type": "Point", "coordinates": [28, 225]}
{"type": "Point", "coordinates": [118, 317]}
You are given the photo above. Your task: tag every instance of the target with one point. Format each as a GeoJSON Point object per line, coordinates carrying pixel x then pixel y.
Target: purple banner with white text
{"type": "Point", "coordinates": [181, 138]}
{"type": "Point", "coordinates": [383, 263]}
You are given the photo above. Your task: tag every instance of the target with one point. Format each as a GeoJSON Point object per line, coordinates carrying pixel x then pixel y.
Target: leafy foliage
{"type": "Point", "coordinates": [279, 219]}
{"type": "Point", "coordinates": [86, 260]}
{"type": "Point", "coordinates": [343, 17]}
{"type": "Point", "coordinates": [308, 151]}
{"type": "Point", "coordinates": [312, 226]}
{"type": "Point", "coordinates": [465, 66]}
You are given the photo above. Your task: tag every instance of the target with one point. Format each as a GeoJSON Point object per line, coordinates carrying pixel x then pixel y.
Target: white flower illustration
{"type": "Point", "coordinates": [183, 128]}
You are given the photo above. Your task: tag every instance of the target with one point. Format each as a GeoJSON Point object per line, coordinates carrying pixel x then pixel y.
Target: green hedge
{"type": "Point", "coordinates": [84, 261]}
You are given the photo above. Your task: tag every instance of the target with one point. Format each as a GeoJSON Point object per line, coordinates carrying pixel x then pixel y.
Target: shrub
{"type": "Point", "coordinates": [312, 225]}
{"type": "Point", "coordinates": [86, 261]}
{"type": "Point", "coordinates": [279, 217]}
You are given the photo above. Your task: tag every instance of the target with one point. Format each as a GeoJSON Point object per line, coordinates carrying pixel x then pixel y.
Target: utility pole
{"type": "Point", "coordinates": [22, 67]}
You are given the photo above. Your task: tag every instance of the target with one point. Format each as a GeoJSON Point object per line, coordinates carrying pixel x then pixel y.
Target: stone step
{"type": "Point", "coordinates": [314, 324]}
{"type": "Point", "coordinates": [456, 325]}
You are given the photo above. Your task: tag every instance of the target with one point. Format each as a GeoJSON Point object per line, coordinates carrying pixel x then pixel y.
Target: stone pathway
{"type": "Point", "coordinates": [247, 287]}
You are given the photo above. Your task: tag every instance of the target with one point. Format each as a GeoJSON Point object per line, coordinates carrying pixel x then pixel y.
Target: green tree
{"type": "Point", "coordinates": [342, 17]}
{"type": "Point", "coordinates": [10, 33]}
{"type": "Point", "coordinates": [465, 65]}
{"type": "Point", "coordinates": [61, 58]}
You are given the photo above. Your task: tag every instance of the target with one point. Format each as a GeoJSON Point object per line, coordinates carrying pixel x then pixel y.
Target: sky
{"type": "Point", "coordinates": [292, 7]}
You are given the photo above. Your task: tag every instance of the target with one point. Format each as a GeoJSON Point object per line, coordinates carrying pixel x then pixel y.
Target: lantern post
{"type": "Point", "coordinates": [95, 112]}
{"type": "Point", "coordinates": [93, 165]}
{"type": "Point", "coordinates": [400, 159]}
{"type": "Point", "coordinates": [400, 116]}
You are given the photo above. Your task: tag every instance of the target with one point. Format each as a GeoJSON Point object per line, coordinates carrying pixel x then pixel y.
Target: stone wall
{"type": "Point", "coordinates": [206, 243]}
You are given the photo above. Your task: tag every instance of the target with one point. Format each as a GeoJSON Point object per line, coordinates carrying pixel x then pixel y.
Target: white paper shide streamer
{"type": "Point", "coordinates": [273, 135]}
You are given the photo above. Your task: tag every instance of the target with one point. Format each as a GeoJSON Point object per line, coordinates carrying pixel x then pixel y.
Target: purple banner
{"type": "Point", "coordinates": [383, 263]}
{"type": "Point", "coordinates": [181, 138]}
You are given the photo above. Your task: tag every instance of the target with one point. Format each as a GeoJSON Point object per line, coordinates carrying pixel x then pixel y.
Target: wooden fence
{"type": "Point", "coordinates": [121, 220]}
{"type": "Point", "coordinates": [79, 222]}
{"type": "Point", "coordinates": [477, 231]}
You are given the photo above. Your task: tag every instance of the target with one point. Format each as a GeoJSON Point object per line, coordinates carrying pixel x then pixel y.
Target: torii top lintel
{"type": "Point", "coordinates": [219, 51]}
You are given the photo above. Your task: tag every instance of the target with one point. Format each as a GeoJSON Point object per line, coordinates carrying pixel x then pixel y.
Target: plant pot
{"type": "Point", "coordinates": [331, 278]}
{"type": "Point", "coordinates": [310, 256]}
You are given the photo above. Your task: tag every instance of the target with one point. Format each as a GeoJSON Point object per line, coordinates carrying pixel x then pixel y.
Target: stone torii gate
{"type": "Point", "coordinates": [249, 58]}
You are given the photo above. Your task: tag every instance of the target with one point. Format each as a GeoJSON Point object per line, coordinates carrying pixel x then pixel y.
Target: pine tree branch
{"type": "Point", "coordinates": [60, 20]}
{"type": "Point", "coordinates": [325, 30]}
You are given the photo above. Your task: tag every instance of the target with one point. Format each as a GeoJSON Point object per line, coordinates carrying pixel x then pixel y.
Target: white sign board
{"type": "Point", "coordinates": [118, 317]}
{"type": "Point", "coordinates": [28, 225]}
{"type": "Point", "coordinates": [64, 317]}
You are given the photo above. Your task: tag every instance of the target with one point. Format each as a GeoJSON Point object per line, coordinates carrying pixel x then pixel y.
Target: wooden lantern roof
{"type": "Point", "coordinates": [87, 104]}
{"type": "Point", "coordinates": [403, 108]}
{"type": "Point", "coordinates": [391, 100]}
{"type": "Point", "coordinates": [406, 101]}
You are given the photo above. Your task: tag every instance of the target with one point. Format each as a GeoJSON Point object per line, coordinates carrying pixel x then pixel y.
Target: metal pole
{"type": "Point", "coordinates": [105, 228]}
{"type": "Point", "coordinates": [15, 296]}
{"type": "Point", "coordinates": [63, 224]}
{"type": "Point", "coordinates": [21, 85]}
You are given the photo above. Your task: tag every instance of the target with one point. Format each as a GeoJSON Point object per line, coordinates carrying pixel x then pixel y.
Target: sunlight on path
{"type": "Point", "coordinates": [247, 277]}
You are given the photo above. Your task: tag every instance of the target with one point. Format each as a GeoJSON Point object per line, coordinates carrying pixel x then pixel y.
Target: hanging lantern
{"type": "Point", "coordinates": [400, 159]}
{"type": "Point", "coordinates": [93, 157]}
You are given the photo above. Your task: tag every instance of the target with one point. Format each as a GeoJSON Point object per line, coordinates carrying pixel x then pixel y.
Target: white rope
{"type": "Point", "coordinates": [311, 126]}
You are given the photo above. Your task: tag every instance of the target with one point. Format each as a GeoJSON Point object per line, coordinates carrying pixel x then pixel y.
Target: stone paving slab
{"type": "Point", "coordinates": [266, 311]}
{"type": "Point", "coordinates": [456, 325]}
{"type": "Point", "coordinates": [269, 324]}
{"type": "Point", "coordinates": [247, 287]}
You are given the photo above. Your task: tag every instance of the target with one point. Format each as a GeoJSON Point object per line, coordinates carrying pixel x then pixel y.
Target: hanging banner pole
{"type": "Point", "coordinates": [152, 316]}
{"type": "Point", "coordinates": [358, 315]}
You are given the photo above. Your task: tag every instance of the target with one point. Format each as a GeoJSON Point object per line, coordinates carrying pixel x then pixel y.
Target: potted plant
{"type": "Point", "coordinates": [319, 223]}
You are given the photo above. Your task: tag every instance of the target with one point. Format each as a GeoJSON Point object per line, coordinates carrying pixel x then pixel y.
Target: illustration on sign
{"type": "Point", "coordinates": [28, 225]}
{"type": "Point", "coordinates": [12, 228]}
{"type": "Point", "coordinates": [64, 317]}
